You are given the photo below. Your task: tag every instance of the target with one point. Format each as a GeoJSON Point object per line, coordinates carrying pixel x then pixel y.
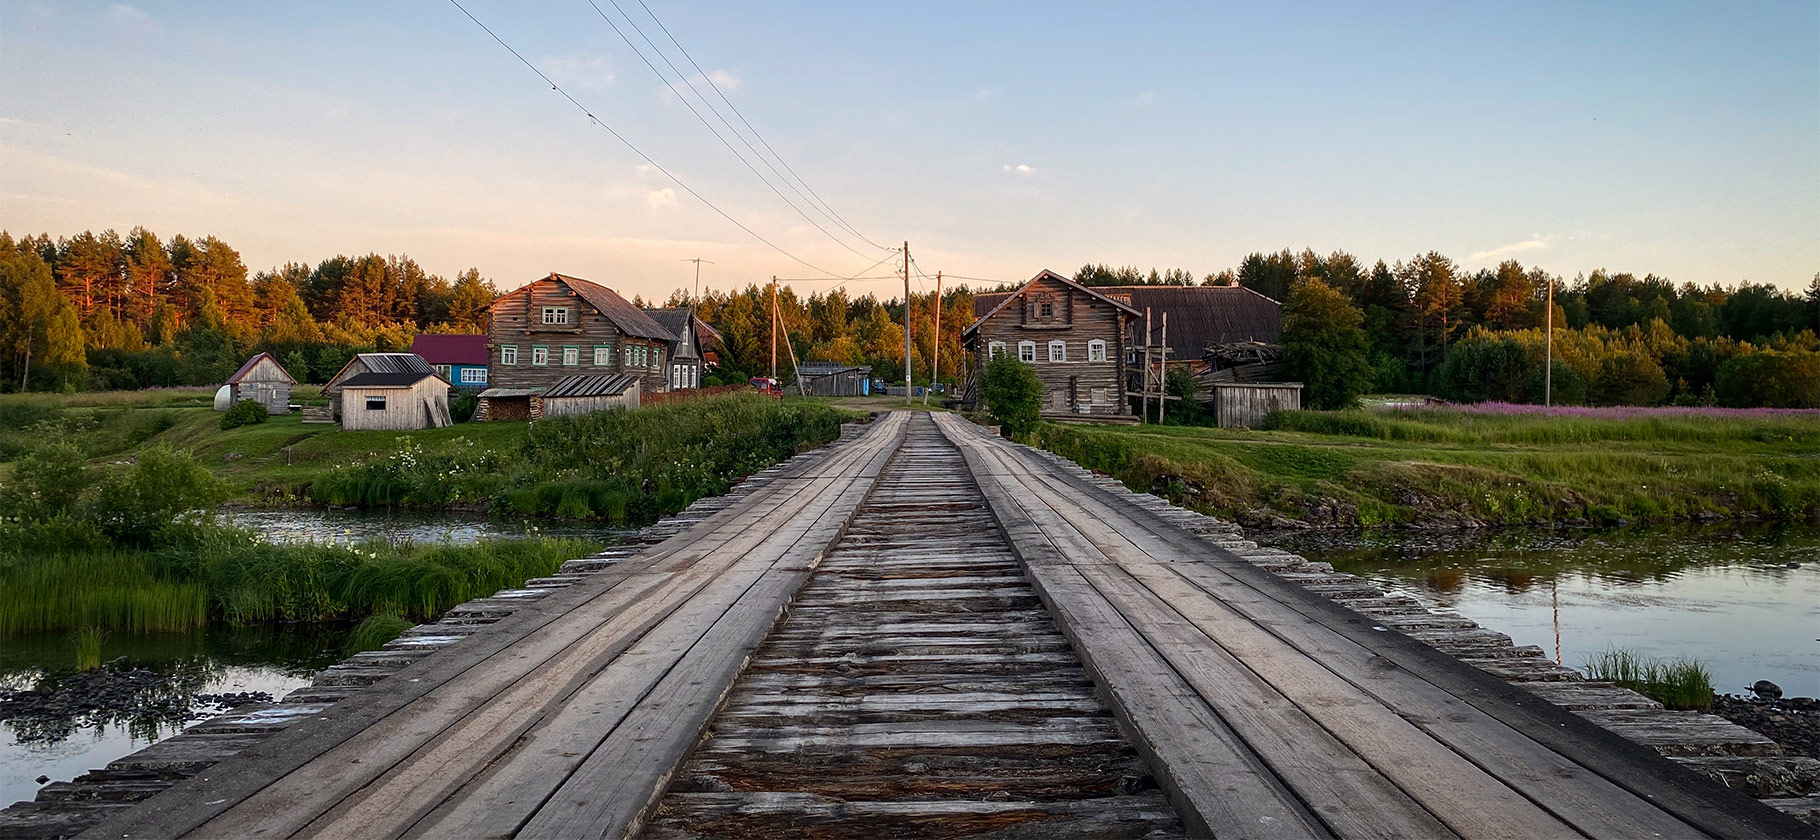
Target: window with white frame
{"type": "Point", "coordinates": [375, 403]}
{"type": "Point", "coordinates": [442, 370]}
{"type": "Point", "coordinates": [1096, 350]}
{"type": "Point", "coordinates": [603, 356]}
{"type": "Point", "coordinates": [473, 376]}
{"type": "Point", "coordinates": [508, 354]}
{"type": "Point", "coordinates": [995, 349]}
{"type": "Point", "coordinates": [1058, 351]}
{"type": "Point", "coordinates": [571, 355]}
{"type": "Point", "coordinates": [657, 357]}
{"type": "Point", "coordinates": [540, 355]}
{"type": "Point", "coordinates": [1026, 351]}
{"type": "Point", "coordinates": [556, 314]}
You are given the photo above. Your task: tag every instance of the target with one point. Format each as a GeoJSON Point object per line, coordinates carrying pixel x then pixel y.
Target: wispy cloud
{"type": "Point", "coordinates": [1535, 242]}
{"type": "Point", "coordinates": [578, 70]}
{"type": "Point", "coordinates": [660, 199]}
{"type": "Point", "coordinates": [129, 18]}
{"type": "Point", "coordinates": [725, 80]}
{"type": "Point", "coordinates": [1020, 169]}
{"type": "Point", "coordinates": [1142, 100]}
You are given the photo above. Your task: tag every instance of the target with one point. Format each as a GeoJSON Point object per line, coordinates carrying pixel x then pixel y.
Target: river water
{"type": "Point", "coordinates": [1745, 601]}
{"type": "Point", "coordinates": [221, 660]}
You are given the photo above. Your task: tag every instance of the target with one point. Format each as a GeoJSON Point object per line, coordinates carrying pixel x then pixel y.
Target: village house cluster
{"type": "Point", "coordinates": [565, 345]}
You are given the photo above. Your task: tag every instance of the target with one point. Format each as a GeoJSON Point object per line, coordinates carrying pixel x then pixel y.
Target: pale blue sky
{"type": "Point", "coordinates": [999, 138]}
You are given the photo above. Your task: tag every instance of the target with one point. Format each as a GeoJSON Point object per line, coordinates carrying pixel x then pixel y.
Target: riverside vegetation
{"type": "Point", "coordinates": [1453, 467]}
{"type": "Point", "coordinates": [109, 526]}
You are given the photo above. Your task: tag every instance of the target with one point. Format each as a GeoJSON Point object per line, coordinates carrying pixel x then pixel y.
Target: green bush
{"type": "Point", "coordinates": [244, 413]}
{"type": "Point", "coordinates": [1012, 394]}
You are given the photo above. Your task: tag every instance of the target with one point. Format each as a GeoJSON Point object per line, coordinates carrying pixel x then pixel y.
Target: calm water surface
{"type": "Point", "coordinates": [221, 660]}
{"type": "Point", "coordinates": [1746, 601]}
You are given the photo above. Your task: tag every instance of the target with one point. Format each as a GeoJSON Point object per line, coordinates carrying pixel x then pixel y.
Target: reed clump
{"type": "Point", "coordinates": [1683, 683]}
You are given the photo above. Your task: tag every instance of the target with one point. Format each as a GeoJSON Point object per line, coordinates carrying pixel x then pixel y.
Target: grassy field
{"type": "Point", "coordinates": [1443, 467]}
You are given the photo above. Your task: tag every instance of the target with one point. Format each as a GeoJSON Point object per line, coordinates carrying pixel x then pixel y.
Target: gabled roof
{"type": "Point", "coordinates": [387, 379]}
{"type": "Point", "coordinates": [1045, 274]}
{"type": "Point", "coordinates": [382, 363]}
{"type": "Point", "coordinates": [829, 368]}
{"type": "Point", "coordinates": [628, 318]}
{"type": "Point", "coordinates": [592, 385]}
{"type": "Point", "coordinates": [451, 349]}
{"type": "Point", "coordinates": [253, 363]}
{"type": "Point", "coordinates": [1198, 315]}
{"type": "Point", "coordinates": [677, 321]}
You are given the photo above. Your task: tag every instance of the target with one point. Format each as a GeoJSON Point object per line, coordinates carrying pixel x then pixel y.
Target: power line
{"type": "Point", "coordinates": [747, 123]}
{"type": "Point", "coordinates": [628, 144]}
{"type": "Point", "coordinates": [704, 120]}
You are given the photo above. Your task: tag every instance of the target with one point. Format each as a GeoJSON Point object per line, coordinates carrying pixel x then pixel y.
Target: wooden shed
{"type": "Point", "coordinates": [396, 401]}
{"type": "Point", "coordinates": [586, 393]}
{"type": "Point", "coordinates": [363, 363]}
{"type": "Point", "coordinates": [832, 379]}
{"type": "Point", "coordinates": [1246, 404]}
{"type": "Point", "coordinates": [262, 380]}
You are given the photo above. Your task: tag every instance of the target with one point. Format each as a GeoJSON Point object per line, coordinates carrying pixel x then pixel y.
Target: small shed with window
{"type": "Point", "coordinates": [262, 380]}
{"type": "Point", "coordinates": [401, 363]}
{"type": "Point", "coordinates": [394, 401]}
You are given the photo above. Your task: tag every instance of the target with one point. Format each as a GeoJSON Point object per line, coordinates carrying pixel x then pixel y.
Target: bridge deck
{"type": "Point", "coordinates": [1260, 710]}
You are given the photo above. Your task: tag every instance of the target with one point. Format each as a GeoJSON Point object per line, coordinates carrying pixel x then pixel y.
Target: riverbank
{"type": "Point", "coordinates": [1449, 468]}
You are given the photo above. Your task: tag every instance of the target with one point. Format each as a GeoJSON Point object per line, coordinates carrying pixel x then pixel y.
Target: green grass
{"type": "Point", "coordinates": [1376, 468]}
{"type": "Point", "coordinates": [234, 579]}
{"type": "Point", "coordinates": [88, 649]}
{"type": "Point", "coordinates": [374, 632]}
{"type": "Point", "coordinates": [1675, 683]}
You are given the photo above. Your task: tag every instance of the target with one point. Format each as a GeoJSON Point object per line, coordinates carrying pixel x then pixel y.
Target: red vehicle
{"type": "Point", "coordinates": [767, 385]}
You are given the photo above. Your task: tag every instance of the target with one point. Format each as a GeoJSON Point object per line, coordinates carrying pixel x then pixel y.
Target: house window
{"type": "Point", "coordinates": [1096, 351]}
{"type": "Point", "coordinates": [1026, 351]}
{"type": "Point", "coordinates": [1101, 396]}
{"type": "Point", "coordinates": [603, 356]}
{"type": "Point", "coordinates": [508, 354]}
{"type": "Point", "coordinates": [571, 356]}
{"type": "Point", "coordinates": [375, 403]}
{"type": "Point", "coordinates": [556, 314]}
{"type": "Point", "coordinates": [1045, 310]}
{"type": "Point", "coordinates": [1058, 351]}
{"type": "Point", "coordinates": [995, 350]}
{"type": "Point", "coordinates": [442, 371]}
{"type": "Point", "coordinates": [657, 357]}
{"type": "Point", "coordinates": [473, 376]}
{"type": "Point", "coordinates": [540, 355]}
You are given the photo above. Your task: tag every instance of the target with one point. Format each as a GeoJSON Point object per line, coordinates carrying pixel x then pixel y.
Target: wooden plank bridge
{"type": "Point", "coordinates": [925, 631]}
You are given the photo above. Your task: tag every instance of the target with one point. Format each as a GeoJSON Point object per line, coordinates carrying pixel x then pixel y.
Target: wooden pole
{"type": "Point", "coordinates": [908, 389]}
{"type": "Point", "coordinates": [1162, 385]}
{"type": "Point", "coordinates": [935, 364]}
{"type": "Point", "coordinates": [1144, 400]}
{"type": "Point", "coordinates": [774, 328]}
{"type": "Point", "coordinates": [1548, 364]}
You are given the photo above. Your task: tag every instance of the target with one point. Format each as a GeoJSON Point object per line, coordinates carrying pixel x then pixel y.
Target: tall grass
{"type": "Point", "coordinates": [234, 579]}
{"type": "Point", "coordinates": [1476, 425]}
{"type": "Point", "coordinates": [374, 632]}
{"type": "Point", "coordinates": [622, 466]}
{"type": "Point", "coordinates": [1675, 683]}
{"type": "Point", "coordinates": [88, 649]}
{"type": "Point", "coordinates": [115, 590]}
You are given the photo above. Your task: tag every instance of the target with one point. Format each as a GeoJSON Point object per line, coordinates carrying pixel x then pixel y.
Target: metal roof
{"type": "Point", "coordinates": [387, 379]}
{"type": "Point", "coordinates": [677, 320]}
{"type": "Point", "coordinates": [394, 363]}
{"type": "Point", "coordinates": [830, 368]}
{"type": "Point", "coordinates": [592, 385]}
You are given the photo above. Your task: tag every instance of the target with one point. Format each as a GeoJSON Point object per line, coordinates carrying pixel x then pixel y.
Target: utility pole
{"type": "Point", "coordinates": [908, 389]}
{"type": "Point", "coordinates": [773, 329]}
{"type": "Point", "coordinates": [1144, 389]}
{"type": "Point", "coordinates": [935, 365]}
{"type": "Point", "coordinates": [1548, 364]}
{"type": "Point", "coordinates": [698, 261]}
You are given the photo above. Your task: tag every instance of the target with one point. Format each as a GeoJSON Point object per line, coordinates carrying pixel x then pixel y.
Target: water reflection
{"type": "Point", "coordinates": [358, 526]}
{"type": "Point", "coordinates": [61, 722]}
{"type": "Point", "coordinates": [1744, 599]}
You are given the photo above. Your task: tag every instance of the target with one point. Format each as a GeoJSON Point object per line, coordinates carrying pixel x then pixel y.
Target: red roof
{"type": "Point", "coordinates": [451, 349]}
{"type": "Point", "coordinates": [253, 363]}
